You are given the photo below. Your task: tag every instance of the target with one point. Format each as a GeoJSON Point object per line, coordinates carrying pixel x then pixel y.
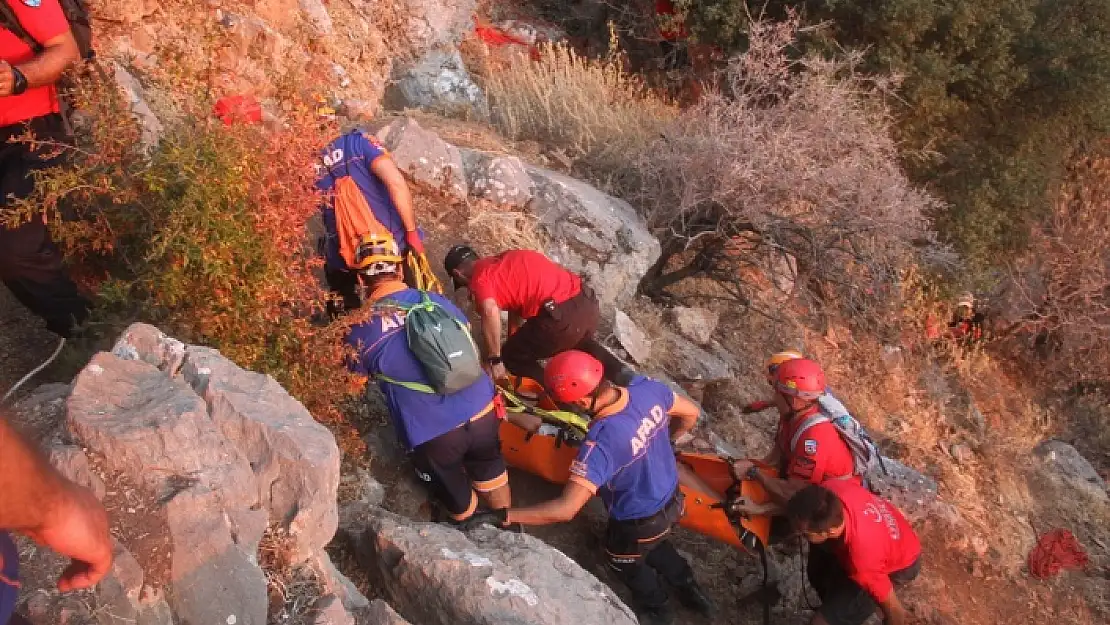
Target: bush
{"type": "Point", "coordinates": [793, 158]}
{"type": "Point", "coordinates": [592, 109]}
{"type": "Point", "coordinates": [205, 236]}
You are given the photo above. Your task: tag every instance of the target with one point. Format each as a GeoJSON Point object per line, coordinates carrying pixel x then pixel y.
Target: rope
{"type": "Point", "coordinates": [34, 372]}
{"type": "Point", "coordinates": [421, 269]}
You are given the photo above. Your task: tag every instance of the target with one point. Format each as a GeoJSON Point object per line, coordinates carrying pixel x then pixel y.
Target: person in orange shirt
{"type": "Point", "coordinates": [30, 263]}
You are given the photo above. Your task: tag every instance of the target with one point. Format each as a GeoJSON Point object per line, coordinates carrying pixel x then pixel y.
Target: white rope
{"type": "Point", "coordinates": [34, 372]}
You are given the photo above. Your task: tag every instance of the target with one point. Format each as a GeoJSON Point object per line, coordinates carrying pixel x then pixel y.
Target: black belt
{"type": "Point", "coordinates": [672, 512]}
{"type": "Point", "coordinates": [551, 307]}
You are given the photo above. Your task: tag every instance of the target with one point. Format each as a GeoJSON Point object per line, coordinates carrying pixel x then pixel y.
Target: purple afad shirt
{"type": "Point", "coordinates": [10, 571]}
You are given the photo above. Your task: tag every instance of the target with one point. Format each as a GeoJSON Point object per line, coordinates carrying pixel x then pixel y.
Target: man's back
{"type": "Point", "coordinates": [382, 349]}
{"type": "Point", "coordinates": [43, 22]}
{"type": "Point", "coordinates": [522, 280]}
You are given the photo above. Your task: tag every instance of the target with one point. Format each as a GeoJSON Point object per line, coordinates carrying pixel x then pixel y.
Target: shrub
{"type": "Point", "coordinates": [792, 158]}
{"type": "Point", "coordinates": [204, 236]}
{"type": "Point", "coordinates": [592, 109]}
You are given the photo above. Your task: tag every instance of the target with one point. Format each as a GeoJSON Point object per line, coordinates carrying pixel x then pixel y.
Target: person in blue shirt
{"type": "Point", "coordinates": [356, 166]}
{"type": "Point", "coordinates": [453, 440]}
{"type": "Point", "coordinates": [627, 459]}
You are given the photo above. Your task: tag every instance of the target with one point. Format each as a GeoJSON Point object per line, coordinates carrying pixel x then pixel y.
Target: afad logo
{"type": "Point", "coordinates": [647, 429]}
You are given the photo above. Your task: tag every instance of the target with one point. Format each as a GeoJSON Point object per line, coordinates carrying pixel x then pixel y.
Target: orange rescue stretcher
{"type": "Point", "coordinates": [704, 478]}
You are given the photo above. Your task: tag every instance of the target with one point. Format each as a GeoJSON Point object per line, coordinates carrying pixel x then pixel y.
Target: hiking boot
{"type": "Point", "coordinates": [662, 615]}
{"type": "Point", "coordinates": [693, 597]}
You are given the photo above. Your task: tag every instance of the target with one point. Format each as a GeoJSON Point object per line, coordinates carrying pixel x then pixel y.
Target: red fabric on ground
{"type": "Point", "coordinates": [1056, 551]}
{"type": "Point", "coordinates": [238, 108]}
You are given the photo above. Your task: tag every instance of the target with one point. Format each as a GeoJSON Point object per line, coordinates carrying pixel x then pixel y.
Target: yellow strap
{"type": "Point", "coordinates": [426, 279]}
{"type": "Point", "coordinates": [562, 418]}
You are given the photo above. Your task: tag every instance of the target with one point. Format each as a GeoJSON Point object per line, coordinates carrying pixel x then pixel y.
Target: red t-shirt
{"type": "Point", "coordinates": [43, 22]}
{"type": "Point", "coordinates": [521, 281]}
{"type": "Point", "coordinates": [819, 455]}
{"type": "Point", "coordinates": [877, 539]}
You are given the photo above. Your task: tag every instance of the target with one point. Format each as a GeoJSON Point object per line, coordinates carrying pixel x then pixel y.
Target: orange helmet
{"type": "Point", "coordinates": [572, 375]}
{"type": "Point", "coordinates": [777, 359]}
{"type": "Point", "coordinates": [801, 378]}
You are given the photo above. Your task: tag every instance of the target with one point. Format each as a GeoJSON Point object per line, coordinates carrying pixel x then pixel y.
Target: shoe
{"type": "Point", "coordinates": [663, 615]}
{"type": "Point", "coordinates": [693, 597]}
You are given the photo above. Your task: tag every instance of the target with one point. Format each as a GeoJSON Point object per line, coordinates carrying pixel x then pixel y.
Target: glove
{"type": "Point", "coordinates": [498, 518]}
{"type": "Point", "coordinates": [412, 237]}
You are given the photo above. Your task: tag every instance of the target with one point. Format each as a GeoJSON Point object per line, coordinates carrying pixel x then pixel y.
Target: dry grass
{"type": "Point", "coordinates": [496, 229]}
{"type": "Point", "coordinates": [590, 108]}
{"type": "Point", "coordinates": [293, 588]}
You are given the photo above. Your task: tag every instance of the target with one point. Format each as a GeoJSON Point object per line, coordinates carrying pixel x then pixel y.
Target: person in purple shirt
{"type": "Point", "coordinates": [453, 440]}
{"type": "Point", "coordinates": [628, 460]}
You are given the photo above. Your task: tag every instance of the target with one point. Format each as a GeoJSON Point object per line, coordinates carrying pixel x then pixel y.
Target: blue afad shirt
{"type": "Point", "coordinates": [627, 456]}
{"type": "Point", "coordinates": [351, 155]}
{"type": "Point", "coordinates": [381, 347]}
{"type": "Point", "coordinates": [9, 572]}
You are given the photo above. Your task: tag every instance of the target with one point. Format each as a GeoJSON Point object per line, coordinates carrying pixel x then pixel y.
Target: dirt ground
{"type": "Point", "coordinates": [24, 343]}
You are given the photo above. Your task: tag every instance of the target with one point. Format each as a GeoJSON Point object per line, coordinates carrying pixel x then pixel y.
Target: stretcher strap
{"type": "Point", "coordinates": [421, 270]}
{"type": "Point", "coordinates": [563, 418]}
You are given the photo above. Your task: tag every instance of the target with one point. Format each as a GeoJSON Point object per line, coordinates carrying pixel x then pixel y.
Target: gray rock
{"type": "Point", "coordinates": [688, 361]}
{"type": "Point", "coordinates": [1064, 464]}
{"type": "Point", "coordinates": [696, 324]}
{"type": "Point", "coordinates": [429, 160]}
{"type": "Point", "coordinates": [379, 613]}
{"type": "Point", "coordinates": [599, 236]}
{"type": "Point", "coordinates": [150, 345]}
{"type": "Point", "coordinates": [121, 597]}
{"type": "Point", "coordinates": [435, 575]}
{"type": "Point", "coordinates": [329, 610]}
{"type": "Point", "coordinates": [439, 82]}
{"type": "Point", "coordinates": [317, 15]}
{"type": "Point", "coordinates": [72, 462]}
{"type": "Point", "coordinates": [294, 458]}
{"type": "Point", "coordinates": [155, 430]}
{"type": "Point", "coordinates": [432, 23]}
{"type": "Point", "coordinates": [915, 494]}
{"type": "Point", "coordinates": [43, 411]}
{"type": "Point", "coordinates": [631, 338]}
{"type": "Point", "coordinates": [214, 576]}
{"type": "Point", "coordinates": [503, 180]}
{"type": "Point", "coordinates": [132, 92]}
{"type": "Point", "coordinates": [335, 583]}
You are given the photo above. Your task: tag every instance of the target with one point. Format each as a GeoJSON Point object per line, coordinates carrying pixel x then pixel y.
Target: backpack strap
{"type": "Point", "coordinates": [809, 422]}
{"type": "Point", "coordinates": [9, 21]}
{"type": "Point", "coordinates": [412, 386]}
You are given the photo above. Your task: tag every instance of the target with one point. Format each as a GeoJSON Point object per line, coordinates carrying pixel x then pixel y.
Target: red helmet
{"type": "Point", "coordinates": [800, 378]}
{"type": "Point", "coordinates": [572, 375]}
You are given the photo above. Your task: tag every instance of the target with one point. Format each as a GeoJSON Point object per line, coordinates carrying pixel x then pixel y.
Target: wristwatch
{"type": "Point", "coordinates": [752, 473]}
{"type": "Point", "coordinates": [19, 81]}
{"type": "Point", "coordinates": [494, 360]}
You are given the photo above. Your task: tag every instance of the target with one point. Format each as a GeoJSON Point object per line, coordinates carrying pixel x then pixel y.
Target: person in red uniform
{"type": "Point", "coordinates": [863, 548]}
{"type": "Point", "coordinates": [803, 457]}
{"type": "Point", "coordinates": [549, 307]}
{"type": "Point", "coordinates": [772, 367]}
{"type": "Point", "coordinates": [30, 263]}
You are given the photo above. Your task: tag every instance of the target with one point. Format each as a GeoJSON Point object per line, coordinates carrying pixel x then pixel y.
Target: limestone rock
{"type": "Point", "coordinates": [696, 324]}
{"type": "Point", "coordinates": [428, 159]}
{"type": "Point", "coordinates": [688, 361]}
{"type": "Point", "coordinates": [132, 92]}
{"type": "Point", "coordinates": [632, 338]}
{"type": "Point", "coordinates": [503, 180]}
{"type": "Point", "coordinates": [594, 234]}
{"type": "Point", "coordinates": [335, 583]}
{"type": "Point", "coordinates": [914, 493]}
{"type": "Point", "coordinates": [438, 82]}
{"type": "Point", "coordinates": [121, 597]}
{"type": "Point", "coordinates": [43, 410]}
{"type": "Point", "coordinates": [329, 610]}
{"type": "Point", "coordinates": [294, 458]}
{"type": "Point", "coordinates": [150, 345]}
{"type": "Point", "coordinates": [380, 613]}
{"type": "Point", "coordinates": [72, 462]}
{"type": "Point", "coordinates": [317, 15]}
{"type": "Point", "coordinates": [436, 575]}
{"type": "Point", "coordinates": [432, 23]}
{"type": "Point", "coordinates": [1064, 464]}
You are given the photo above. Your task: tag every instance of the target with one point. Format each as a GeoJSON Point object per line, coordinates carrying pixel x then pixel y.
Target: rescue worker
{"type": "Point", "coordinates": [966, 325]}
{"type": "Point", "coordinates": [863, 549]}
{"type": "Point", "coordinates": [30, 262]}
{"type": "Point", "coordinates": [453, 440]}
{"type": "Point", "coordinates": [627, 458]}
{"type": "Point", "coordinates": [54, 512]}
{"type": "Point", "coordinates": [812, 456]}
{"type": "Point", "coordinates": [549, 308]}
{"type": "Point", "coordinates": [358, 175]}
{"type": "Point", "coordinates": [772, 366]}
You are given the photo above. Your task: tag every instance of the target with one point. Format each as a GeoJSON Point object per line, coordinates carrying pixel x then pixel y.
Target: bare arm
{"type": "Point", "coordinates": [386, 170]}
{"type": "Point", "coordinates": [491, 326]}
{"type": "Point", "coordinates": [41, 504]}
{"type": "Point", "coordinates": [893, 611]}
{"type": "Point", "coordinates": [45, 68]}
{"type": "Point", "coordinates": [684, 417]}
{"type": "Point", "coordinates": [515, 321]}
{"type": "Point", "coordinates": [558, 510]}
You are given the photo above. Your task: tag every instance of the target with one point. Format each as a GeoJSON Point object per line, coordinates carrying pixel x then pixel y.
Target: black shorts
{"type": "Point", "coordinates": [464, 460]}
{"type": "Point", "coordinates": [844, 602]}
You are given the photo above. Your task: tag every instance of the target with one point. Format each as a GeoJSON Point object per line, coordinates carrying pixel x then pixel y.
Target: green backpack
{"type": "Point", "coordinates": [441, 343]}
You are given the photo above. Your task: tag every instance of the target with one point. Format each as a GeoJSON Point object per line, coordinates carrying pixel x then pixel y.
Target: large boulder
{"type": "Point", "coordinates": [435, 575]}
{"type": "Point", "coordinates": [427, 159]}
{"type": "Point", "coordinates": [597, 235]}
{"type": "Point", "coordinates": [696, 324]}
{"type": "Point", "coordinates": [913, 492]}
{"type": "Point", "coordinates": [295, 459]}
{"type": "Point", "coordinates": [631, 337]}
{"type": "Point", "coordinates": [690, 362]}
{"type": "Point", "coordinates": [502, 180]}
{"type": "Point", "coordinates": [72, 462]}
{"type": "Point", "coordinates": [439, 82]}
{"type": "Point", "coordinates": [1066, 466]}
{"type": "Point", "coordinates": [429, 24]}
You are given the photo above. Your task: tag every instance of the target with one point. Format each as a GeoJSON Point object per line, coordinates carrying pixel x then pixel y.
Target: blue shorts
{"type": "Point", "coordinates": [10, 570]}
